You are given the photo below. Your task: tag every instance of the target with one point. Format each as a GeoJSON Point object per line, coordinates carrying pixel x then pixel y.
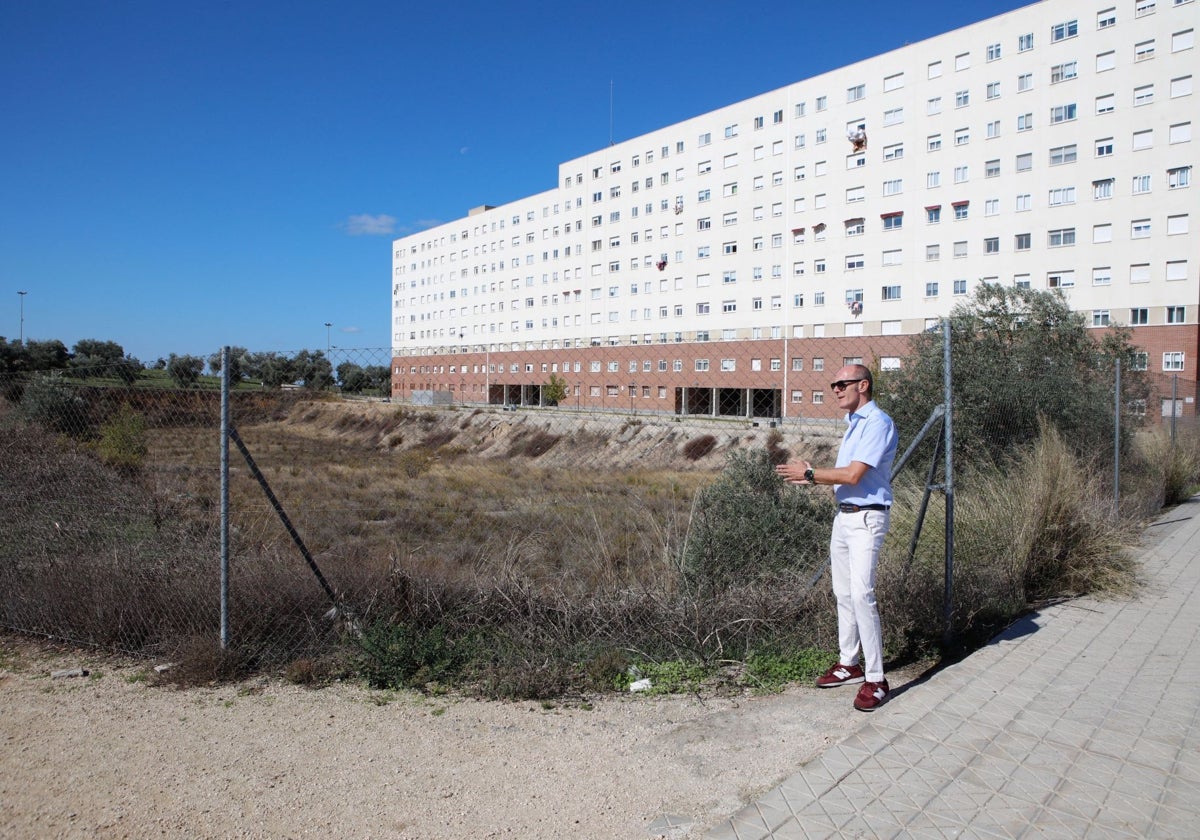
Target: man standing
{"type": "Point", "coordinates": [862, 484]}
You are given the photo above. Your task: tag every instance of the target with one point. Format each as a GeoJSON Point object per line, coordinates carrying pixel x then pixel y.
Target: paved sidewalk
{"type": "Point", "coordinates": [1081, 720]}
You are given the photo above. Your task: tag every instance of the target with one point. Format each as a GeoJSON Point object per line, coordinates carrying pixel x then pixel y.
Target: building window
{"type": "Point", "coordinates": [1102, 276]}
{"type": "Point", "coordinates": [1178, 178]}
{"type": "Point", "coordinates": [1024, 162]}
{"type": "Point", "coordinates": [1021, 242]}
{"type": "Point", "coordinates": [1025, 42]}
{"type": "Point", "coordinates": [1100, 318]}
{"type": "Point", "coordinates": [1062, 113]}
{"type": "Point", "coordinates": [1063, 72]}
{"type": "Point", "coordinates": [991, 169]}
{"type": "Point", "coordinates": [1141, 184]}
{"type": "Point", "coordinates": [960, 287]}
{"type": "Point", "coordinates": [961, 210]}
{"type": "Point", "coordinates": [1062, 31]}
{"type": "Point", "coordinates": [1060, 238]}
{"type": "Point", "coordinates": [1143, 95]}
{"type": "Point", "coordinates": [1024, 82]}
{"type": "Point", "coordinates": [1139, 229]}
{"type": "Point", "coordinates": [933, 252]}
{"type": "Point", "coordinates": [893, 221]}
{"type": "Point", "coordinates": [1106, 104]}
{"type": "Point", "coordinates": [1106, 61]}
{"type": "Point", "coordinates": [991, 245]}
{"type": "Point", "coordinates": [933, 215]}
{"type": "Point", "coordinates": [1172, 361]}
{"type": "Point", "coordinates": [993, 90]}
{"type": "Point", "coordinates": [1060, 279]}
{"type": "Point", "coordinates": [1024, 122]}
{"type": "Point", "coordinates": [931, 290]}
{"type": "Point", "coordinates": [1102, 189]}
{"type": "Point", "coordinates": [1024, 202]}
{"type": "Point", "coordinates": [891, 293]}
{"type": "Point", "coordinates": [1144, 50]}
{"type": "Point", "coordinates": [993, 52]}
{"type": "Point", "coordinates": [1062, 195]}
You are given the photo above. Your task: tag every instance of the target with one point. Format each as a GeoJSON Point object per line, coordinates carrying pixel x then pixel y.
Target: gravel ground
{"type": "Point", "coordinates": [107, 755]}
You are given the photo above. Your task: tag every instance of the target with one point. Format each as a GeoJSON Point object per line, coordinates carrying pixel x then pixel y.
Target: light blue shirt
{"type": "Point", "coordinates": [871, 438]}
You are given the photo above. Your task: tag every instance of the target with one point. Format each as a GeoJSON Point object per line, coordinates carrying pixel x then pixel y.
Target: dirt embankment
{"type": "Point", "coordinates": [558, 437]}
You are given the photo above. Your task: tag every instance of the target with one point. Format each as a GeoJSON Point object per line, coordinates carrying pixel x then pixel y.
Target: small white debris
{"type": "Point", "coordinates": [68, 672]}
{"type": "Point", "coordinates": [166, 666]}
{"type": "Point", "coordinates": [640, 685]}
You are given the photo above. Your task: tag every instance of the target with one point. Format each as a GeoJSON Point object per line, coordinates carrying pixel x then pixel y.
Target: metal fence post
{"type": "Point", "coordinates": [948, 431]}
{"type": "Point", "coordinates": [224, 498]}
{"type": "Point", "coordinates": [1117, 443]}
{"type": "Point", "coordinates": [1174, 406]}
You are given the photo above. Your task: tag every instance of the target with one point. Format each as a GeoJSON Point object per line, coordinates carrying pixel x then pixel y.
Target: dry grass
{"type": "Point", "coordinates": [462, 549]}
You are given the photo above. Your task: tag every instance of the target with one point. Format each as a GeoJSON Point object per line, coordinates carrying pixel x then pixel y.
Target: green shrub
{"type": "Point", "coordinates": [750, 522]}
{"type": "Point", "coordinates": [51, 402]}
{"type": "Point", "coordinates": [122, 441]}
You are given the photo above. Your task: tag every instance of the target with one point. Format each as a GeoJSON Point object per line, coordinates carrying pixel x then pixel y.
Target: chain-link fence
{"type": "Point", "coordinates": [111, 494]}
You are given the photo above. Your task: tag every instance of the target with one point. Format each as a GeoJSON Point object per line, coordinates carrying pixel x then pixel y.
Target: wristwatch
{"type": "Point", "coordinates": [808, 476]}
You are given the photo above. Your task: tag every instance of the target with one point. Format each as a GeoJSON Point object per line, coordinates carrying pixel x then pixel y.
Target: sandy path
{"type": "Point", "coordinates": [110, 756]}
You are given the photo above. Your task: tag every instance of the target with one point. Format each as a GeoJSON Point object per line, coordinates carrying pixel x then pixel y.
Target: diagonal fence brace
{"type": "Point", "coordinates": [283, 517]}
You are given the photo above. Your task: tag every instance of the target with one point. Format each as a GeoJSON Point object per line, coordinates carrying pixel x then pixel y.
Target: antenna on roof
{"type": "Point", "coordinates": [610, 113]}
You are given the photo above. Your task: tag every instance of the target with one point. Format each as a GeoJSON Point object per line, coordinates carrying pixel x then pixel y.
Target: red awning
{"type": "Point", "coordinates": [797, 230]}
{"type": "Point", "coordinates": [933, 207]}
{"type": "Point", "coordinates": [959, 203]}
{"type": "Point", "coordinates": [890, 215]}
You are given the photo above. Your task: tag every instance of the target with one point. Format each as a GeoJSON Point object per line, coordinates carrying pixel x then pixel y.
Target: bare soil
{"type": "Point", "coordinates": [110, 755]}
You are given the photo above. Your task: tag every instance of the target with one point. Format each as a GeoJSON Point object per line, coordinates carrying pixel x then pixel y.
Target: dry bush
{"type": "Point", "coordinates": [698, 447]}
{"type": "Point", "coordinates": [1171, 468]}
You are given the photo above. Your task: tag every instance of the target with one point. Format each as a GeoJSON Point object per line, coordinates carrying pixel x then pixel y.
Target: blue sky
{"type": "Point", "coordinates": [179, 176]}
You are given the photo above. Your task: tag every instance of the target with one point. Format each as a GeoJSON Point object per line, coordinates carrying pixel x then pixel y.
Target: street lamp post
{"type": "Point", "coordinates": [22, 299]}
{"type": "Point", "coordinates": [328, 324]}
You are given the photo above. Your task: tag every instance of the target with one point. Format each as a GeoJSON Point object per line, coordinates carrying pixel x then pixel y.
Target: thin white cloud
{"type": "Point", "coordinates": [365, 224]}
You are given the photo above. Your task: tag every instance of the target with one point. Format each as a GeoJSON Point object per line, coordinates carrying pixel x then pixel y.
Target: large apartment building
{"type": "Point", "coordinates": [728, 264]}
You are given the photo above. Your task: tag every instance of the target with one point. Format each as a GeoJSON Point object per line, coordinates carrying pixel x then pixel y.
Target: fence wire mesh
{"type": "Point", "coordinates": [110, 497]}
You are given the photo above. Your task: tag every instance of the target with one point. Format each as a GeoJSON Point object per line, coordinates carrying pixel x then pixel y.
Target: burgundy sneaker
{"type": "Point", "coordinates": [840, 674]}
{"type": "Point", "coordinates": [871, 696]}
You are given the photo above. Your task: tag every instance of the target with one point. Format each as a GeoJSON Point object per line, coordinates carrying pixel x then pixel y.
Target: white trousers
{"type": "Point", "coordinates": [854, 554]}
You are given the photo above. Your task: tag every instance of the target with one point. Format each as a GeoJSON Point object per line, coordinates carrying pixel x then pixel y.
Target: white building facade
{"type": "Point", "coordinates": [726, 264]}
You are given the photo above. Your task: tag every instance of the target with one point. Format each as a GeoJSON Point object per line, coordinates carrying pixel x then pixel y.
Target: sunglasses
{"type": "Point", "coordinates": [841, 384]}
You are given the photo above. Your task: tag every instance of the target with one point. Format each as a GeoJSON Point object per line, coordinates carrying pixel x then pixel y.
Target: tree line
{"type": "Point", "coordinates": [92, 358]}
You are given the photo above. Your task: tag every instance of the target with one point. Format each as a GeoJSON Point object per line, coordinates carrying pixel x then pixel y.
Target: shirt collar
{"type": "Point", "coordinates": [864, 410]}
